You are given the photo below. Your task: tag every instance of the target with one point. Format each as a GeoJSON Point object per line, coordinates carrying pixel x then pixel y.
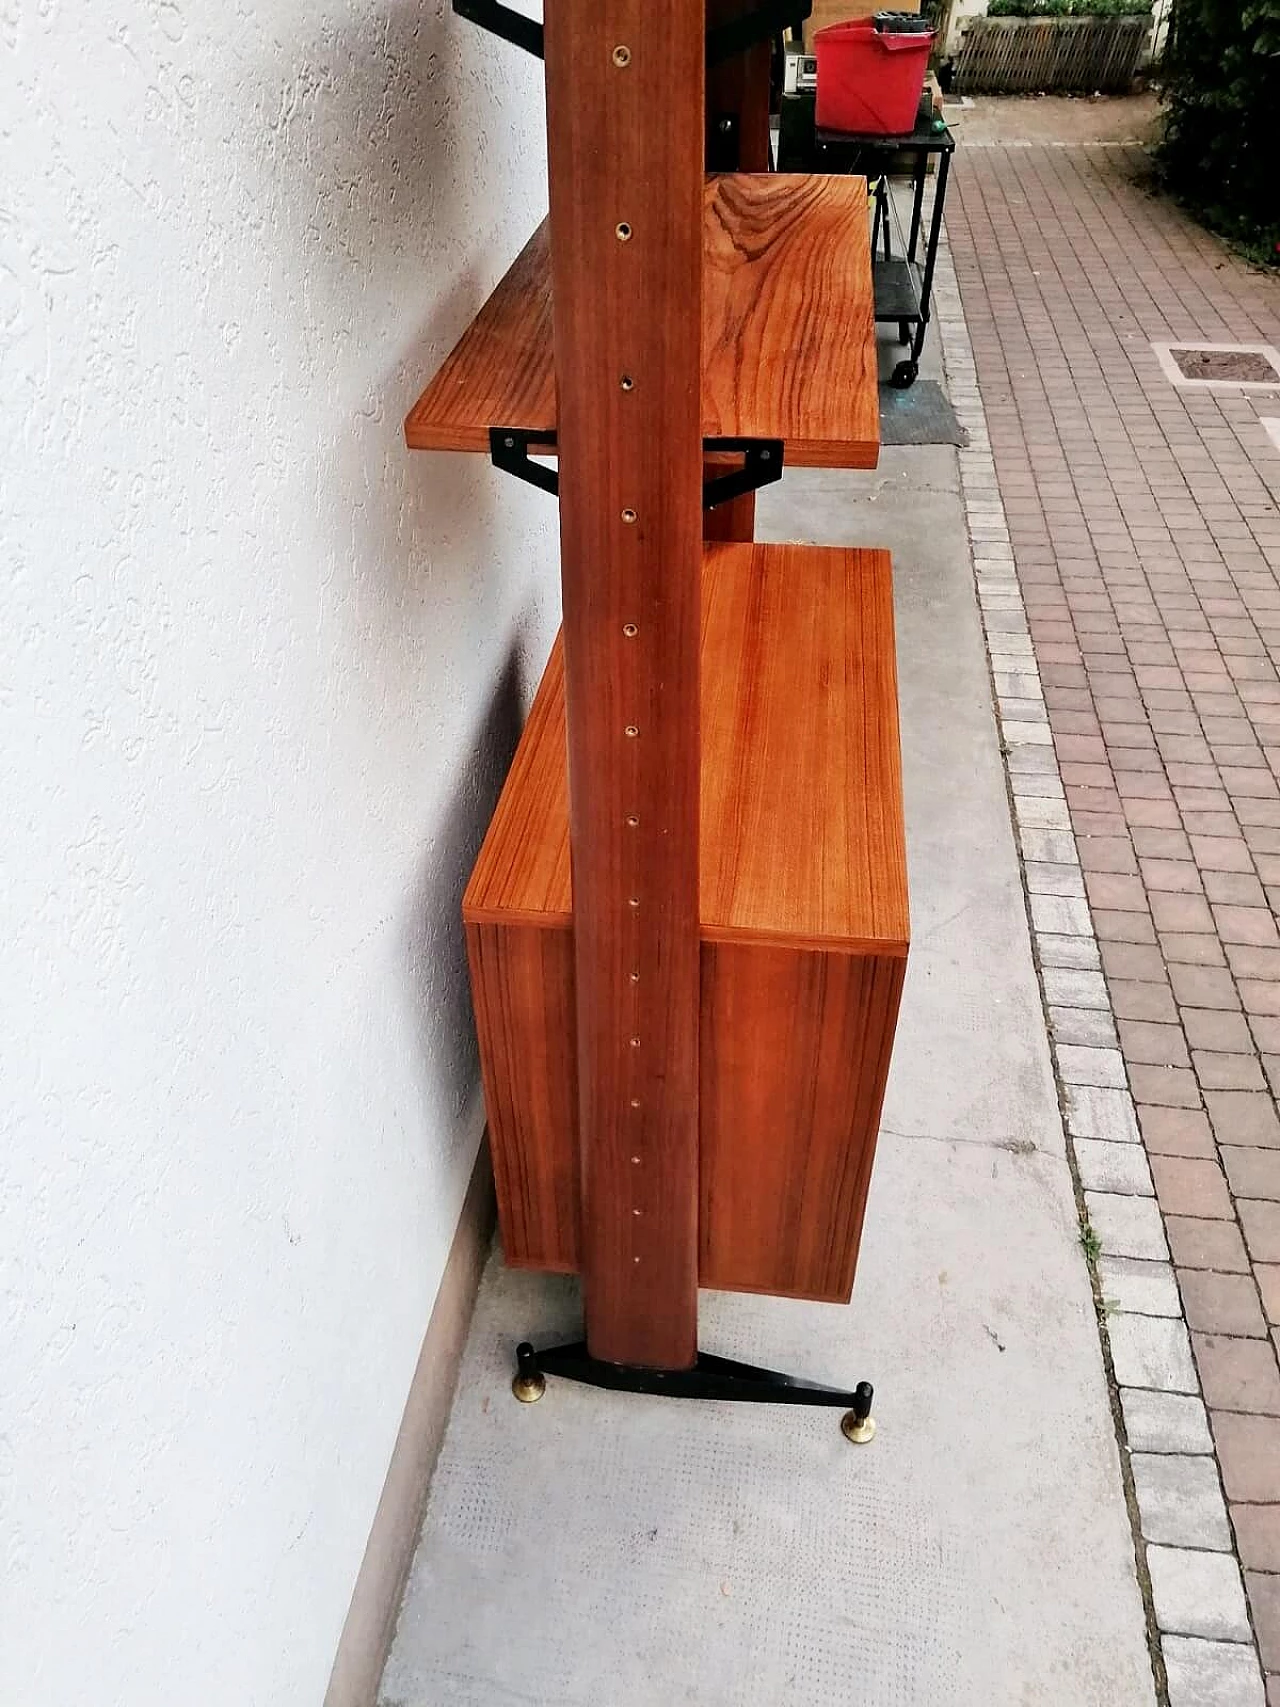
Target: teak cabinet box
{"type": "Point", "coordinates": [804, 931]}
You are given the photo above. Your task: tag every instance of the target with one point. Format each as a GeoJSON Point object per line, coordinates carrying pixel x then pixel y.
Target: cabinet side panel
{"type": "Point", "coordinates": [522, 989]}
{"type": "Point", "coordinates": [795, 1055]}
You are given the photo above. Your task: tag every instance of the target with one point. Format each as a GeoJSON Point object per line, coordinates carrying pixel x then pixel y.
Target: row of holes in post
{"type": "Point", "coordinates": [624, 233]}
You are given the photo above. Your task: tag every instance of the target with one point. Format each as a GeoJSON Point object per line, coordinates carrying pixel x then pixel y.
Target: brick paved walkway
{"type": "Point", "coordinates": [1145, 533]}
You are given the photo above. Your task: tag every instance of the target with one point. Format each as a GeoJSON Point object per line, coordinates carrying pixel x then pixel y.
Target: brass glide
{"type": "Point", "coordinates": [530, 1383]}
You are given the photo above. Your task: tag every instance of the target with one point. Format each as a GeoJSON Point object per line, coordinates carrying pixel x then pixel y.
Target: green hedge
{"type": "Point", "coordinates": [1069, 9]}
{"type": "Point", "coordinates": [1222, 70]}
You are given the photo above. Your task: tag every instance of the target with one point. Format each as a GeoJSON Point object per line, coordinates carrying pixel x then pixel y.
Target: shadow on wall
{"type": "Point", "coordinates": [436, 948]}
{"type": "Point", "coordinates": [415, 183]}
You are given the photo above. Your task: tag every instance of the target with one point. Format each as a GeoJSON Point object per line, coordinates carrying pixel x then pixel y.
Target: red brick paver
{"type": "Point", "coordinates": [1146, 537]}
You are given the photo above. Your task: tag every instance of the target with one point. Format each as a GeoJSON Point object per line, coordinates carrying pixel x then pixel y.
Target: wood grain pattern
{"type": "Point", "coordinates": [802, 787]}
{"type": "Point", "coordinates": [801, 833]}
{"type": "Point", "coordinates": [522, 978]}
{"type": "Point", "coordinates": [788, 342]}
{"type": "Point", "coordinates": [795, 1056]}
{"type": "Point", "coordinates": [795, 1049]}
{"type": "Point", "coordinates": [502, 371]}
{"type": "Point", "coordinates": [523, 870]}
{"type": "Point", "coordinates": [625, 164]}
{"type": "Point", "coordinates": [734, 521]}
{"type": "Point", "coordinates": [788, 328]}
{"type": "Point", "coordinates": [796, 1022]}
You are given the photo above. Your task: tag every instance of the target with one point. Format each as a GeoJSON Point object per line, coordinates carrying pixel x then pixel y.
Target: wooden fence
{"type": "Point", "coordinates": [1016, 56]}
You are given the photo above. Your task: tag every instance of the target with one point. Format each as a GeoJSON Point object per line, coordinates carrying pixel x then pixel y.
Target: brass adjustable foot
{"type": "Point", "coordinates": [858, 1425]}
{"type": "Point", "coordinates": [530, 1383]}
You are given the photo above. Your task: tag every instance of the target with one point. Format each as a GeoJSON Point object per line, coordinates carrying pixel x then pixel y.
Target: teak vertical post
{"type": "Point", "coordinates": [625, 101]}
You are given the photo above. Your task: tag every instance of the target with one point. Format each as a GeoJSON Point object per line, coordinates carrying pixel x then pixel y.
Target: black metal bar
{"type": "Point", "coordinates": [931, 254]}
{"type": "Point", "coordinates": [886, 224]}
{"type": "Point", "coordinates": [710, 1378]}
{"type": "Point", "coordinates": [727, 39]}
{"type": "Point", "coordinates": [917, 205]}
{"type": "Point", "coordinates": [762, 461]}
{"type": "Point", "coordinates": [502, 21]}
{"type": "Point", "coordinates": [509, 448]}
{"type": "Point", "coordinates": [762, 465]}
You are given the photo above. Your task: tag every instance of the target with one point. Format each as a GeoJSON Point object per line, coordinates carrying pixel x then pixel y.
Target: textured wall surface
{"type": "Point", "coordinates": [261, 673]}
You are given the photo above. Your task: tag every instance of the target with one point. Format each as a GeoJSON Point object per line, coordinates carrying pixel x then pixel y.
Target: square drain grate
{"type": "Point", "coordinates": [1220, 367]}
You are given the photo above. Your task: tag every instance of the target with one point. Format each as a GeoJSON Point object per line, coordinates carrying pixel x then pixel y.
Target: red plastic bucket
{"type": "Point", "coordinates": [869, 80]}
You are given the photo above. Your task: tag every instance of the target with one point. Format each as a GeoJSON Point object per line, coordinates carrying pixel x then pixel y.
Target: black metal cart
{"type": "Point", "coordinates": [903, 282]}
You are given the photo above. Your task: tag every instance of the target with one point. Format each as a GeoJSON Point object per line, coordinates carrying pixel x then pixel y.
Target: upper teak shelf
{"type": "Point", "coordinates": [788, 331]}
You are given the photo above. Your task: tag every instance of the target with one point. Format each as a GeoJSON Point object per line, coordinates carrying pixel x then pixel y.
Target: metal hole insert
{"type": "Point", "coordinates": [631, 731]}
{"type": "Point", "coordinates": [634, 901]}
{"type": "Point", "coordinates": [635, 1043]}
{"type": "Point", "coordinates": [628, 515]}
{"type": "Point", "coordinates": [633, 823]}
{"type": "Point", "coordinates": [623, 231]}
{"type": "Point", "coordinates": [630, 630]}
{"type": "Point", "coordinates": [627, 383]}
{"type": "Point", "coordinates": [622, 55]}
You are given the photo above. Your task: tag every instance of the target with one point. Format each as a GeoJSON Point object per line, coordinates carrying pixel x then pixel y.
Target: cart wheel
{"type": "Point", "coordinates": [904, 376]}
{"type": "Point", "coordinates": [904, 331]}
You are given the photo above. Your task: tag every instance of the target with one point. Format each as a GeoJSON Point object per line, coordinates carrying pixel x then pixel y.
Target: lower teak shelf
{"type": "Point", "coordinates": [804, 928]}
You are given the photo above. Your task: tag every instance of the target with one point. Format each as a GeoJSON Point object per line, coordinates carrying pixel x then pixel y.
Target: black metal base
{"type": "Point", "coordinates": [709, 1378]}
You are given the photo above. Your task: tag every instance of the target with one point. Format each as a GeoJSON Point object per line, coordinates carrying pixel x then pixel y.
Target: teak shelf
{"type": "Point", "coordinates": [803, 930]}
{"type": "Point", "coordinates": [687, 927]}
{"type": "Point", "coordinates": [788, 334]}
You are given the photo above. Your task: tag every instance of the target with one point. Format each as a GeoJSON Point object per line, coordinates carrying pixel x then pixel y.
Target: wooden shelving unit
{"type": "Point", "coordinates": [688, 924]}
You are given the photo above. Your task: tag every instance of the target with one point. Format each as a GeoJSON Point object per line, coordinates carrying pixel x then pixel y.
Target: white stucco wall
{"type": "Point", "coordinates": [261, 670]}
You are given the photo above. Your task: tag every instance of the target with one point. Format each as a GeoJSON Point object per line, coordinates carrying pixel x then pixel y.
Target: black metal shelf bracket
{"type": "Point", "coordinates": [737, 35]}
{"type": "Point", "coordinates": [710, 1378]}
{"type": "Point", "coordinates": [504, 21]}
{"type": "Point", "coordinates": [761, 466]}
{"type": "Point", "coordinates": [762, 459]}
{"type": "Point", "coordinates": [509, 450]}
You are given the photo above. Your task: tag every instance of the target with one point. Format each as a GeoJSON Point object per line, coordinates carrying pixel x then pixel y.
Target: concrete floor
{"type": "Point", "coordinates": [621, 1552]}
